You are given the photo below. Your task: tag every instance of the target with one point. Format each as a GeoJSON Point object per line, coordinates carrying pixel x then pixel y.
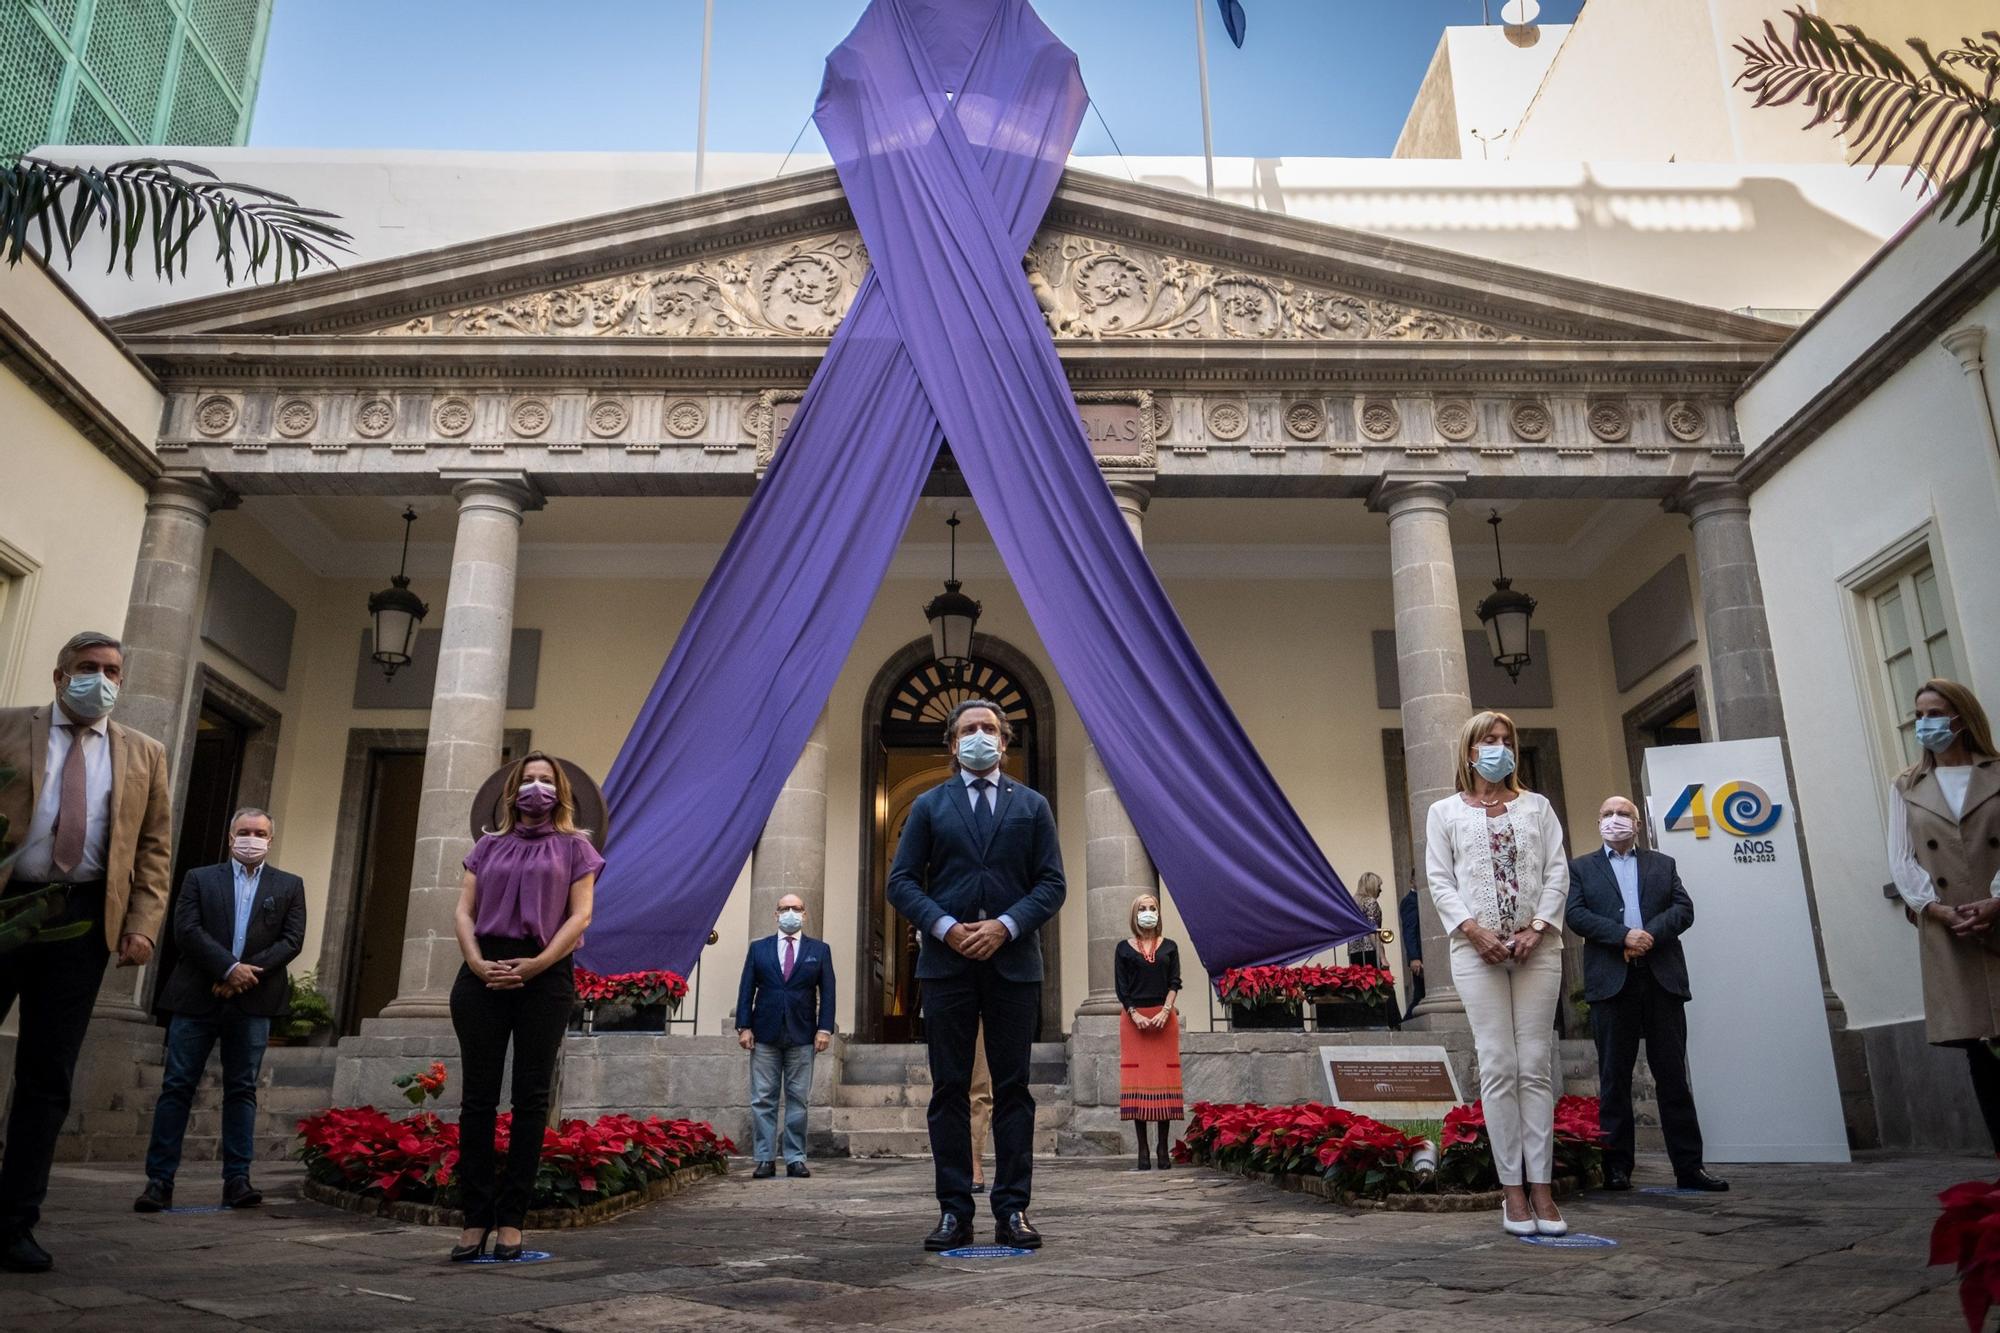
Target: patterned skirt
{"type": "Point", "coordinates": [1149, 1070]}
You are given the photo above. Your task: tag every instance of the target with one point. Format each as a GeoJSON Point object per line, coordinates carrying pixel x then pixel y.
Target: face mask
{"type": "Point", "coordinates": [1495, 762]}
{"type": "Point", "coordinates": [250, 849]}
{"type": "Point", "coordinates": [90, 696]}
{"type": "Point", "coordinates": [790, 921]}
{"type": "Point", "coordinates": [1935, 733]}
{"type": "Point", "coordinates": [1615, 828]}
{"type": "Point", "coordinates": [1149, 920]}
{"type": "Point", "coordinates": [535, 799]}
{"type": "Point", "coordinates": [978, 751]}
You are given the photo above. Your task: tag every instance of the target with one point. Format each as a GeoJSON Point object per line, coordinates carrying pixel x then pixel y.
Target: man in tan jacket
{"type": "Point", "coordinates": [88, 808]}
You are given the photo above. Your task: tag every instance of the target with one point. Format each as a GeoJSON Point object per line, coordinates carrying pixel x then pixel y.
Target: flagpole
{"type": "Point", "coordinates": [1207, 132]}
{"type": "Point", "coordinates": [701, 115]}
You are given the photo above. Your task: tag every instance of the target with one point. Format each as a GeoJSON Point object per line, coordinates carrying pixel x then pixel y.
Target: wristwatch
{"type": "Point", "coordinates": [1540, 925]}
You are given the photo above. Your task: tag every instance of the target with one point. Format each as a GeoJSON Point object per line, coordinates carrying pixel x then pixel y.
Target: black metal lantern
{"type": "Point", "coordinates": [1506, 612]}
{"type": "Point", "coordinates": [397, 612]}
{"type": "Point", "coordinates": [952, 614]}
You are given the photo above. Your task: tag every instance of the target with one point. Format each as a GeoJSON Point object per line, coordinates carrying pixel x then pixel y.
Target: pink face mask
{"type": "Point", "coordinates": [535, 799]}
{"type": "Point", "coordinates": [1615, 828]}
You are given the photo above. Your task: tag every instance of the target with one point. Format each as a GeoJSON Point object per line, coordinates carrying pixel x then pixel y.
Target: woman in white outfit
{"type": "Point", "coordinates": [1500, 878]}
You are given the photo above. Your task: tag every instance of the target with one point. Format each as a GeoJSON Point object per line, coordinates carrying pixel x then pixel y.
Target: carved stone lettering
{"type": "Point", "coordinates": [1113, 428]}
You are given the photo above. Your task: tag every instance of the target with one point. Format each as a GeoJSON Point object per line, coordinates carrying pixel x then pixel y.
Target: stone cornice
{"type": "Point", "coordinates": [53, 383]}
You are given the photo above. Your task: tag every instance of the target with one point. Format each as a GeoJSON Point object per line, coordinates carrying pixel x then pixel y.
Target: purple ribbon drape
{"type": "Point", "coordinates": [949, 122]}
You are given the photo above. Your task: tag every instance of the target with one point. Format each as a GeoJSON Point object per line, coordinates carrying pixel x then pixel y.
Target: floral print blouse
{"type": "Point", "coordinates": [1506, 877]}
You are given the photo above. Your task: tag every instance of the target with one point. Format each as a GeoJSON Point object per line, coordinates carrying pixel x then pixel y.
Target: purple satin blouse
{"type": "Point", "coordinates": [523, 880]}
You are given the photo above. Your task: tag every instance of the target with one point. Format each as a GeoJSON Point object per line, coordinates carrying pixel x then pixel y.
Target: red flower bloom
{"type": "Point", "coordinates": [1967, 1236]}
{"type": "Point", "coordinates": [1292, 986]}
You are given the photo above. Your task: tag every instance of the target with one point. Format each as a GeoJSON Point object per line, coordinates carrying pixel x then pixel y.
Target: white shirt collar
{"type": "Point", "coordinates": [792, 934]}
{"type": "Point", "coordinates": [242, 871]}
{"type": "Point", "coordinates": [968, 777]}
{"type": "Point", "coordinates": [58, 718]}
{"type": "Point", "coordinates": [1630, 853]}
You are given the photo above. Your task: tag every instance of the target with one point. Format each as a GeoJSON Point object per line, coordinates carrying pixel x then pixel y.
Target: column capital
{"type": "Point", "coordinates": [1399, 493]}
{"type": "Point", "coordinates": [509, 493]}
{"type": "Point", "coordinates": [194, 492]}
{"type": "Point", "coordinates": [1968, 344]}
{"type": "Point", "coordinates": [1134, 491]}
{"type": "Point", "coordinates": [1708, 497]}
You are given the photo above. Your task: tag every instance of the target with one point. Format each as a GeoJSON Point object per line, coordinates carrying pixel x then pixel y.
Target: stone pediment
{"type": "Point", "coordinates": [1087, 287]}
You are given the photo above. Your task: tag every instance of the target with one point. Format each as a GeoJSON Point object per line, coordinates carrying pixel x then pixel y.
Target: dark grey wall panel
{"type": "Point", "coordinates": [414, 683]}
{"type": "Point", "coordinates": [246, 619]}
{"type": "Point", "coordinates": [1490, 686]}
{"type": "Point", "coordinates": [1653, 624]}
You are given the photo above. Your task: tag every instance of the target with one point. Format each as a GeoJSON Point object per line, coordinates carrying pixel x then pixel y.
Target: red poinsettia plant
{"type": "Point", "coordinates": [1354, 1153]}
{"type": "Point", "coordinates": [420, 1088]}
{"type": "Point", "coordinates": [1967, 1236]}
{"type": "Point", "coordinates": [1465, 1152]}
{"type": "Point", "coordinates": [638, 988]}
{"type": "Point", "coordinates": [1292, 986]}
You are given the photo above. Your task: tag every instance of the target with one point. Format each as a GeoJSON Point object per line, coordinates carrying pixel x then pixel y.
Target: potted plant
{"type": "Point", "coordinates": [627, 1001]}
{"type": "Point", "coordinates": [1263, 998]}
{"type": "Point", "coordinates": [308, 1014]}
{"type": "Point", "coordinates": [1358, 996]}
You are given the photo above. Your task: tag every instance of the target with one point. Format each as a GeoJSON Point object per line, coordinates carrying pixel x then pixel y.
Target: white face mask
{"type": "Point", "coordinates": [791, 921]}
{"type": "Point", "coordinates": [1148, 920]}
{"type": "Point", "coordinates": [1615, 828]}
{"type": "Point", "coordinates": [250, 848]}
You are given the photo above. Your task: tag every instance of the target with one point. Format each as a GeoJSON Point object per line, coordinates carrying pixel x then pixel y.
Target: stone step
{"type": "Point", "coordinates": [1049, 1114]}
{"type": "Point", "coordinates": [866, 1064]}
{"type": "Point", "coordinates": [919, 1094]}
{"type": "Point", "coordinates": [916, 1143]}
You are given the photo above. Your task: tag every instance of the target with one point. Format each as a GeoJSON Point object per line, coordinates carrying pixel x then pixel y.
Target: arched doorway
{"type": "Point", "coordinates": [903, 756]}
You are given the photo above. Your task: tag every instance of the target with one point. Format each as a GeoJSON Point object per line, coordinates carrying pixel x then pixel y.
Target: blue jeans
{"type": "Point", "coordinates": [774, 1069]}
{"type": "Point", "coordinates": [189, 1040]}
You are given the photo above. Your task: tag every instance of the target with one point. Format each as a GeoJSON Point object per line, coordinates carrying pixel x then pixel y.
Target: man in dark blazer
{"type": "Point", "coordinates": [784, 1015]}
{"type": "Point", "coordinates": [1413, 946]}
{"type": "Point", "coordinates": [978, 872]}
{"type": "Point", "coordinates": [237, 924]}
{"type": "Point", "coordinates": [1631, 909]}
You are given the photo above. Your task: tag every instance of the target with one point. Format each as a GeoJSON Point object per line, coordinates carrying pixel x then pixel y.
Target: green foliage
{"type": "Point", "coordinates": [310, 1010]}
{"type": "Point", "coordinates": [1944, 109]}
{"type": "Point", "coordinates": [167, 202]}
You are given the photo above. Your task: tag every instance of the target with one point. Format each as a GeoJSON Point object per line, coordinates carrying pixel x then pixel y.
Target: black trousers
{"type": "Point", "coordinates": [533, 1018]}
{"type": "Point", "coordinates": [1644, 1011]}
{"type": "Point", "coordinates": [954, 1008]}
{"type": "Point", "coordinates": [1985, 1069]}
{"type": "Point", "coordinates": [56, 985]}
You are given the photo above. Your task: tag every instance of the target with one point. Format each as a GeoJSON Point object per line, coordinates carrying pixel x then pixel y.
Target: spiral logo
{"type": "Point", "coordinates": [1744, 809]}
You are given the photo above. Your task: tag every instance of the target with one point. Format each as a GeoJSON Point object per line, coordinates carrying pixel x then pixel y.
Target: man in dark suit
{"type": "Point", "coordinates": [1631, 909]}
{"type": "Point", "coordinates": [978, 872]}
{"type": "Point", "coordinates": [784, 1009]}
{"type": "Point", "coordinates": [237, 924]}
{"type": "Point", "coordinates": [1413, 947]}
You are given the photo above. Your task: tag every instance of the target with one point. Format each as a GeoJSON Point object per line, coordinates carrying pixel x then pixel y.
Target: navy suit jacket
{"type": "Point", "coordinates": [1413, 930]}
{"type": "Point", "coordinates": [942, 869]}
{"type": "Point", "coordinates": [1597, 912]}
{"type": "Point", "coordinates": [205, 926]}
{"type": "Point", "coordinates": [781, 1011]}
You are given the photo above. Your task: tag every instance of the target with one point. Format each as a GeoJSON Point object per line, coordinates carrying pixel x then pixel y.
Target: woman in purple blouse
{"type": "Point", "coordinates": [522, 907]}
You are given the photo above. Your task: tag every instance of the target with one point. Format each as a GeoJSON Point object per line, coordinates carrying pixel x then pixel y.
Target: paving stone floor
{"type": "Point", "coordinates": [1816, 1248]}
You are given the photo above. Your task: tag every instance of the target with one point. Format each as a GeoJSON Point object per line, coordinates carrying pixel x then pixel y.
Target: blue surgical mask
{"type": "Point", "coordinates": [1494, 762]}
{"type": "Point", "coordinates": [1935, 733]}
{"type": "Point", "coordinates": [978, 751]}
{"type": "Point", "coordinates": [90, 695]}
{"type": "Point", "coordinates": [790, 921]}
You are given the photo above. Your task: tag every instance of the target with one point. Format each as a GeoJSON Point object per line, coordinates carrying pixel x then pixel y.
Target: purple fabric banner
{"type": "Point", "coordinates": [949, 122]}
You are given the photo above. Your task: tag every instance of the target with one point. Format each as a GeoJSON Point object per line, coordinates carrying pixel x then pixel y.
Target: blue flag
{"type": "Point", "coordinates": [1233, 20]}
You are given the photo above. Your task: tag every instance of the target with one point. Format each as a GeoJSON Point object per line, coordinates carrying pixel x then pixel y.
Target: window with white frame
{"type": "Point", "coordinates": [1912, 642]}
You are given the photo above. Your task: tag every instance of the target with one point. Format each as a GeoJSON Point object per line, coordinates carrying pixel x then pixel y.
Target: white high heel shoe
{"type": "Point", "coordinates": [1544, 1227]}
{"type": "Point", "coordinates": [1514, 1228]}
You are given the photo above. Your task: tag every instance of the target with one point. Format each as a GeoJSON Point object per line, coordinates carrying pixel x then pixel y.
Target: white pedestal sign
{"type": "Point", "coordinates": [1758, 1049]}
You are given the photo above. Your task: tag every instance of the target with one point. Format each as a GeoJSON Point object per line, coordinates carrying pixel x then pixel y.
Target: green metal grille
{"type": "Point", "coordinates": [31, 71]}
{"type": "Point", "coordinates": [203, 112]}
{"type": "Point", "coordinates": [128, 55]}
{"type": "Point", "coordinates": [90, 123]}
{"type": "Point", "coordinates": [227, 28]}
{"type": "Point", "coordinates": [61, 13]}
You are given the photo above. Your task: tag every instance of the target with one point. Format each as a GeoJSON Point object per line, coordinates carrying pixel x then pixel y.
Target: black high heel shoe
{"type": "Point", "coordinates": [465, 1254]}
{"type": "Point", "coordinates": [506, 1253]}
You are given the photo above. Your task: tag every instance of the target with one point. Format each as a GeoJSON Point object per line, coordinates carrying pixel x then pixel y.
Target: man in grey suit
{"type": "Point", "coordinates": [237, 925]}
{"type": "Point", "coordinates": [1631, 909]}
{"type": "Point", "coordinates": [978, 872]}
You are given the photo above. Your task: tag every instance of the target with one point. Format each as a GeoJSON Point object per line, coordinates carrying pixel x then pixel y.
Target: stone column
{"type": "Point", "coordinates": [791, 851]}
{"type": "Point", "coordinates": [159, 637]}
{"type": "Point", "coordinates": [468, 712]}
{"type": "Point", "coordinates": [1743, 684]}
{"type": "Point", "coordinates": [1436, 700]}
{"type": "Point", "coordinates": [1116, 866]}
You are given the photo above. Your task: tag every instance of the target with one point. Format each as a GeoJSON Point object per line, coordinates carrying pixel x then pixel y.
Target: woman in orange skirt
{"type": "Point", "coordinates": [1148, 980]}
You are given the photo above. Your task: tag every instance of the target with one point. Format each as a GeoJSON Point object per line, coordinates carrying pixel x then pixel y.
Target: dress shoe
{"type": "Point", "coordinates": [1617, 1178]}
{"type": "Point", "coordinates": [951, 1233]}
{"type": "Point", "coordinates": [764, 1171]}
{"type": "Point", "coordinates": [20, 1254]}
{"type": "Point", "coordinates": [1513, 1228]}
{"type": "Point", "coordinates": [1016, 1230]}
{"type": "Point", "coordinates": [797, 1170]}
{"type": "Point", "coordinates": [157, 1197]}
{"type": "Point", "coordinates": [238, 1192]}
{"type": "Point", "coordinates": [1145, 1162]}
{"type": "Point", "coordinates": [979, 1187]}
{"type": "Point", "coordinates": [465, 1254]}
{"type": "Point", "coordinates": [506, 1254]}
{"type": "Point", "coordinates": [1700, 1179]}
{"type": "Point", "coordinates": [1161, 1160]}
{"type": "Point", "coordinates": [1546, 1227]}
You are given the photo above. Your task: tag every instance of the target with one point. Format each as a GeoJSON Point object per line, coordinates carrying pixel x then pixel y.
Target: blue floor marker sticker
{"type": "Point", "coordinates": [1671, 1192]}
{"type": "Point", "coordinates": [985, 1252]}
{"type": "Point", "coordinates": [527, 1257]}
{"type": "Point", "coordinates": [1576, 1240]}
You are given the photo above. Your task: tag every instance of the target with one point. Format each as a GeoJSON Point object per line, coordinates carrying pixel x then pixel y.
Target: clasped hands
{"type": "Point", "coordinates": [1638, 943]}
{"type": "Point", "coordinates": [240, 978]}
{"type": "Point", "coordinates": [1494, 947]}
{"type": "Point", "coordinates": [507, 973]}
{"type": "Point", "coordinates": [1153, 1023]}
{"type": "Point", "coordinates": [1967, 920]}
{"type": "Point", "coordinates": [977, 940]}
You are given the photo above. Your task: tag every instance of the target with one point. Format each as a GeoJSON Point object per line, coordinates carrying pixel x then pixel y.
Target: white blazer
{"type": "Point", "coordinates": [1458, 855]}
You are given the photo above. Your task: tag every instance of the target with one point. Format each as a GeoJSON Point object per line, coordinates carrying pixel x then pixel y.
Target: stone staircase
{"type": "Point", "coordinates": [295, 1081]}
{"type": "Point", "coordinates": [882, 1091]}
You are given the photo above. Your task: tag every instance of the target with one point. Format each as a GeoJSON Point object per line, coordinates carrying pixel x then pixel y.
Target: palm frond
{"type": "Point", "coordinates": [1941, 108]}
{"type": "Point", "coordinates": [166, 202]}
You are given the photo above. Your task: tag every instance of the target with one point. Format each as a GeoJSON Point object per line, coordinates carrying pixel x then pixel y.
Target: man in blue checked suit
{"type": "Point", "coordinates": [784, 1015]}
{"type": "Point", "coordinates": [979, 872]}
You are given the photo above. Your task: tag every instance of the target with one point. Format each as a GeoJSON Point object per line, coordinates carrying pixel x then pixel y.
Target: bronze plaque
{"type": "Point", "coordinates": [1116, 430]}
{"type": "Point", "coordinates": [1391, 1081]}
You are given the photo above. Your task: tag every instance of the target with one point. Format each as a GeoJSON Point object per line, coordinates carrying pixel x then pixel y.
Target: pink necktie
{"type": "Point", "coordinates": [789, 945]}
{"type": "Point", "coordinates": [74, 811]}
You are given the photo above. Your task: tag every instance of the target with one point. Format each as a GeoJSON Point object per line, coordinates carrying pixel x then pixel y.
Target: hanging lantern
{"type": "Point", "coordinates": [952, 614]}
{"type": "Point", "coordinates": [1505, 612]}
{"type": "Point", "coordinates": [397, 612]}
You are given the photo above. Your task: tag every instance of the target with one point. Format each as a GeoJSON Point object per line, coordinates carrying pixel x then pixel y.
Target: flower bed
{"type": "Point", "coordinates": [1967, 1236]}
{"type": "Point", "coordinates": [360, 1154]}
{"type": "Point", "coordinates": [1255, 987]}
{"type": "Point", "coordinates": [635, 988]}
{"type": "Point", "coordinates": [1350, 1158]}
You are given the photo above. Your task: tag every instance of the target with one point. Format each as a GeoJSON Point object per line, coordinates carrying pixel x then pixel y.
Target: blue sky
{"type": "Point", "coordinates": [1315, 78]}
